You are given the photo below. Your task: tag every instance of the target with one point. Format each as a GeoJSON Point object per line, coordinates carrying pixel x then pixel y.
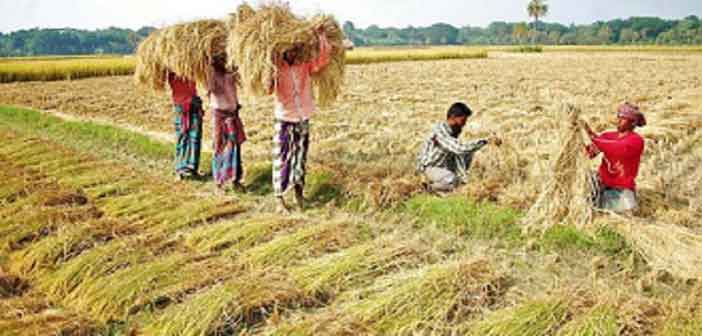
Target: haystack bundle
{"type": "Point", "coordinates": [568, 189]}
{"type": "Point", "coordinates": [258, 37]}
{"type": "Point", "coordinates": [673, 248]}
{"type": "Point", "coordinates": [185, 49]}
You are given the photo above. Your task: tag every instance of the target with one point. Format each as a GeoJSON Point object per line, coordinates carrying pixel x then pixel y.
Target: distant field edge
{"type": "Point", "coordinates": [53, 68]}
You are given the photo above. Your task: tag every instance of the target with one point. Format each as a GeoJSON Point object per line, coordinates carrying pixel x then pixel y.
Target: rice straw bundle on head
{"type": "Point", "coordinates": [257, 38]}
{"type": "Point", "coordinates": [149, 70]}
{"type": "Point", "coordinates": [185, 49]}
{"type": "Point", "coordinates": [568, 190]}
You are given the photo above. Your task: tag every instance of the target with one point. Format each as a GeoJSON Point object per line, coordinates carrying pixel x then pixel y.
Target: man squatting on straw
{"type": "Point", "coordinates": [293, 109]}
{"type": "Point", "coordinates": [188, 125]}
{"type": "Point", "coordinates": [622, 151]}
{"type": "Point", "coordinates": [444, 160]}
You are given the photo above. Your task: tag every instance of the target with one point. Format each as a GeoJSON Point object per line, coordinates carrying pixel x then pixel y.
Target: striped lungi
{"type": "Point", "coordinates": [188, 128]}
{"type": "Point", "coordinates": [290, 146]}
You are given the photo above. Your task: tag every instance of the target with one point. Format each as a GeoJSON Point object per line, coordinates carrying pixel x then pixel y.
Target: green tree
{"type": "Point", "coordinates": [628, 35]}
{"type": "Point", "coordinates": [604, 34]}
{"type": "Point", "coordinates": [442, 33]}
{"type": "Point", "coordinates": [569, 39]}
{"type": "Point", "coordinates": [520, 32]}
{"type": "Point", "coordinates": [537, 9]}
{"type": "Point", "coordinates": [554, 37]}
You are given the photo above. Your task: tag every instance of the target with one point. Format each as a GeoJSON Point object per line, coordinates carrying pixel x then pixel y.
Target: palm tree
{"type": "Point", "coordinates": [537, 9]}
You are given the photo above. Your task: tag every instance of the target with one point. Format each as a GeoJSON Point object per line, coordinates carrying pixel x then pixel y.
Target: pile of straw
{"type": "Point", "coordinates": [258, 37]}
{"type": "Point", "coordinates": [230, 307]}
{"type": "Point", "coordinates": [185, 49]}
{"type": "Point", "coordinates": [431, 300]}
{"type": "Point", "coordinates": [568, 189]}
{"type": "Point", "coordinates": [534, 318]}
{"type": "Point", "coordinates": [665, 247]}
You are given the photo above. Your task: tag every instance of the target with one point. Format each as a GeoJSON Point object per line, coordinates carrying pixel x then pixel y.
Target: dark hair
{"type": "Point", "coordinates": [459, 110]}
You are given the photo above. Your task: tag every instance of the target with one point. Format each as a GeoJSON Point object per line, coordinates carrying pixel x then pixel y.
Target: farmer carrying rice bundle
{"type": "Point", "coordinates": [622, 150]}
{"type": "Point", "coordinates": [293, 59]}
{"type": "Point", "coordinates": [228, 130]}
{"type": "Point", "coordinates": [181, 56]}
{"type": "Point", "coordinates": [188, 125]}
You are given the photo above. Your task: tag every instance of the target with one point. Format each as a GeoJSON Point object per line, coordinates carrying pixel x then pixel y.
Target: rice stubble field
{"type": "Point", "coordinates": [97, 238]}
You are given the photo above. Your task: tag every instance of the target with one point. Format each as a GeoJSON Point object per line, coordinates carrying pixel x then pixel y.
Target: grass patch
{"type": "Point", "coordinates": [259, 179]}
{"type": "Point", "coordinates": [321, 189]}
{"type": "Point", "coordinates": [89, 136]}
{"type": "Point", "coordinates": [465, 217]}
{"type": "Point", "coordinates": [605, 241]}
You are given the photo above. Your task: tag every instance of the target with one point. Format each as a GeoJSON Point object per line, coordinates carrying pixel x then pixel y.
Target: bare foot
{"type": "Point", "coordinates": [238, 187]}
{"type": "Point", "coordinates": [300, 197]}
{"type": "Point", "coordinates": [282, 208]}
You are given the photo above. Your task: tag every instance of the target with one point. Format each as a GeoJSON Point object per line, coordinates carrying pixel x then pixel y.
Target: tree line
{"type": "Point", "coordinates": [635, 30]}
{"type": "Point", "coordinates": [68, 41]}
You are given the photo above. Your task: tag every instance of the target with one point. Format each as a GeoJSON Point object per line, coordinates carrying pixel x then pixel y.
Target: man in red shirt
{"type": "Point", "coordinates": [622, 151]}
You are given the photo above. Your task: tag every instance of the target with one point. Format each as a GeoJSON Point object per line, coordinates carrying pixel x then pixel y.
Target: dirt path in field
{"type": "Point", "coordinates": [156, 135]}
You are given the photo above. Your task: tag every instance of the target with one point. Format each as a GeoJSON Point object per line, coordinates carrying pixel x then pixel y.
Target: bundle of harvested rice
{"type": "Point", "coordinates": [568, 190]}
{"type": "Point", "coordinates": [311, 241]}
{"type": "Point", "coordinates": [360, 264]}
{"type": "Point", "coordinates": [536, 318]}
{"type": "Point", "coordinates": [31, 315]}
{"type": "Point", "coordinates": [234, 237]}
{"type": "Point", "coordinates": [258, 37]}
{"type": "Point", "coordinates": [686, 320]}
{"type": "Point", "coordinates": [432, 300]}
{"type": "Point", "coordinates": [495, 172]}
{"type": "Point", "coordinates": [227, 308]}
{"type": "Point", "coordinates": [600, 320]}
{"type": "Point", "coordinates": [665, 247]}
{"type": "Point", "coordinates": [185, 49]}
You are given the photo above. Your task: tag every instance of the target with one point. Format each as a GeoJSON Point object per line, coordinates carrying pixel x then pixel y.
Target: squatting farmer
{"type": "Point", "coordinates": [228, 131]}
{"type": "Point", "coordinates": [622, 150]}
{"type": "Point", "coordinates": [444, 160]}
{"type": "Point", "coordinates": [188, 126]}
{"type": "Point", "coordinates": [294, 107]}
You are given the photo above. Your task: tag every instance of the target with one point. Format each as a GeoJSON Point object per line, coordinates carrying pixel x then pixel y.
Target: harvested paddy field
{"type": "Point", "coordinates": [97, 238]}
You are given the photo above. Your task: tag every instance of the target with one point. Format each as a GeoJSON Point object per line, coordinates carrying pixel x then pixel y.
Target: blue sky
{"type": "Point", "coordinates": [21, 14]}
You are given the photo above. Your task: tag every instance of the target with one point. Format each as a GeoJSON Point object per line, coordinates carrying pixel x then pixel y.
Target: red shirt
{"type": "Point", "coordinates": [622, 157]}
{"type": "Point", "coordinates": [183, 91]}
